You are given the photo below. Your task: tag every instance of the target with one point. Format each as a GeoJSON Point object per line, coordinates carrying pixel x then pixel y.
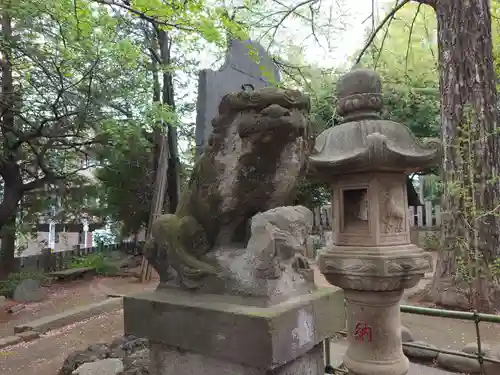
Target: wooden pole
{"type": "Point", "coordinates": [157, 202]}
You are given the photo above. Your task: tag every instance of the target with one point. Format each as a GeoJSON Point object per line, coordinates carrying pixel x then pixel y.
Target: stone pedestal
{"type": "Point", "coordinates": [373, 279]}
{"type": "Point", "coordinates": [261, 312]}
{"type": "Point", "coordinates": [169, 361]}
{"type": "Point", "coordinates": [192, 333]}
{"type": "Point", "coordinates": [375, 333]}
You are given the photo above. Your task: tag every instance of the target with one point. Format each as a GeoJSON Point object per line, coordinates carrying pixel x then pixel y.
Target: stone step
{"type": "Point", "coordinates": [71, 316]}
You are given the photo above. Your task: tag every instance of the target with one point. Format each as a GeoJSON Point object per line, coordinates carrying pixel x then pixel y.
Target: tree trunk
{"type": "Point", "coordinates": [9, 169]}
{"type": "Point", "coordinates": [12, 191]}
{"type": "Point", "coordinates": [156, 205]}
{"type": "Point", "coordinates": [173, 185]}
{"type": "Point", "coordinates": [8, 210]}
{"type": "Point", "coordinates": [158, 131]}
{"type": "Point", "coordinates": [12, 194]}
{"type": "Point", "coordinates": [8, 248]}
{"type": "Point", "coordinates": [471, 157]}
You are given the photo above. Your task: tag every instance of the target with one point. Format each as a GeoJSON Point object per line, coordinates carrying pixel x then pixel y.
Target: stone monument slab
{"type": "Point", "coordinates": [247, 63]}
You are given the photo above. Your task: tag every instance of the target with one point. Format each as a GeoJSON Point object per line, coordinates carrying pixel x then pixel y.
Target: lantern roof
{"type": "Point", "coordinates": [364, 142]}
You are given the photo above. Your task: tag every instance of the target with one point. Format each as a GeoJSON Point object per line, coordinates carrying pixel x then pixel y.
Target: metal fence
{"type": "Point", "coordinates": [474, 316]}
{"type": "Point", "coordinates": [49, 261]}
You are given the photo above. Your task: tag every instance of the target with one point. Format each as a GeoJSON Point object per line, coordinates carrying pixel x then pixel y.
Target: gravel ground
{"type": "Point", "coordinates": [46, 355]}
{"type": "Point", "coordinates": [68, 295]}
{"type": "Point", "coordinates": [53, 348]}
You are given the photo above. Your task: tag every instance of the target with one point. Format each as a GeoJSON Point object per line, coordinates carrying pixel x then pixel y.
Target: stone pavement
{"type": "Point", "coordinates": [46, 355]}
{"type": "Point", "coordinates": [338, 348]}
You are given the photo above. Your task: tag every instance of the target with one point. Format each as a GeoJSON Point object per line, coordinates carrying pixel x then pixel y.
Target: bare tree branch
{"type": "Point", "coordinates": [386, 19]}
{"type": "Point", "coordinates": [313, 27]}
{"type": "Point", "coordinates": [429, 39]}
{"type": "Point", "coordinates": [410, 34]}
{"type": "Point", "coordinates": [290, 11]}
{"type": "Point", "coordinates": [286, 67]}
{"type": "Point", "coordinates": [384, 38]}
{"type": "Point", "coordinates": [125, 5]}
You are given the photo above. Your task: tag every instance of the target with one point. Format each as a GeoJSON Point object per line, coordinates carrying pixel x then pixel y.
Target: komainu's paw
{"type": "Point", "coordinates": [300, 263]}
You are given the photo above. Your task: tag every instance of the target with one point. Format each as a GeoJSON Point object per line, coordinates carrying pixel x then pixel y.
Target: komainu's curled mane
{"type": "Point", "coordinates": [252, 163]}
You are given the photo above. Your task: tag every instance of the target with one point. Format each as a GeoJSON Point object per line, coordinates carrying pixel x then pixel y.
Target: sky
{"type": "Point", "coordinates": [349, 34]}
{"type": "Point", "coordinates": [348, 37]}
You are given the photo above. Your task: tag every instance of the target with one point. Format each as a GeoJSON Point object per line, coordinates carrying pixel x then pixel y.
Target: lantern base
{"type": "Point", "coordinates": [374, 268]}
{"type": "Point", "coordinates": [374, 333]}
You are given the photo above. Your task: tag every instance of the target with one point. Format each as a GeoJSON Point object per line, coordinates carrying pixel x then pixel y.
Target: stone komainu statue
{"type": "Point", "coordinates": [254, 158]}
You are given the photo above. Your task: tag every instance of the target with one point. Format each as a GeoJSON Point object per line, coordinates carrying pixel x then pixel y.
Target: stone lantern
{"type": "Point", "coordinates": [366, 160]}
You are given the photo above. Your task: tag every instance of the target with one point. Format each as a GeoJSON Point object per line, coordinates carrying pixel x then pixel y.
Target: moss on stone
{"type": "Point", "coordinates": [200, 218]}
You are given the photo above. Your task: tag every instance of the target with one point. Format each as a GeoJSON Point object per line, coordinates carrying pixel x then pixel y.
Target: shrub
{"type": "Point", "coordinates": [431, 241]}
{"type": "Point", "coordinates": [8, 286]}
{"type": "Point", "coordinates": [98, 261]}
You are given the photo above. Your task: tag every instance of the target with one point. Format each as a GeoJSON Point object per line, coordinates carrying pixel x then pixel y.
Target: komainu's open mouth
{"type": "Point", "coordinates": [272, 118]}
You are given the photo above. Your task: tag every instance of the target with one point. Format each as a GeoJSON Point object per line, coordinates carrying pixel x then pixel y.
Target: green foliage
{"type": "Point", "coordinates": [323, 103]}
{"type": "Point", "coordinates": [462, 272]}
{"type": "Point", "coordinates": [317, 245]}
{"type": "Point", "coordinates": [8, 286]}
{"type": "Point", "coordinates": [86, 63]}
{"type": "Point", "coordinates": [103, 239]}
{"type": "Point", "coordinates": [127, 181]}
{"type": "Point", "coordinates": [100, 262]}
{"type": "Point", "coordinates": [405, 101]}
{"type": "Point", "coordinates": [88, 86]}
{"type": "Point", "coordinates": [495, 269]}
{"type": "Point", "coordinates": [495, 20]}
{"type": "Point", "coordinates": [405, 50]}
{"type": "Point", "coordinates": [312, 194]}
{"type": "Point", "coordinates": [467, 227]}
{"type": "Point", "coordinates": [405, 54]}
{"type": "Point", "coordinates": [418, 108]}
{"type": "Point", "coordinates": [414, 107]}
{"type": "Point", "coordinates": [431, 241]}
{"type": "Point", "coordinates": [127, 173]}
{"type": "Point", "coordinates": [127, 185]}
{"type": "Point", "coordinates": [78, 70]}
{"type": "Point", "coordinates": [433, 188]}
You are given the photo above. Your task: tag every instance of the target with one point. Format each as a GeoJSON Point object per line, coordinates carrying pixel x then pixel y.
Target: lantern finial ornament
{"type": "Point", "coordinates": [359, 95]}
